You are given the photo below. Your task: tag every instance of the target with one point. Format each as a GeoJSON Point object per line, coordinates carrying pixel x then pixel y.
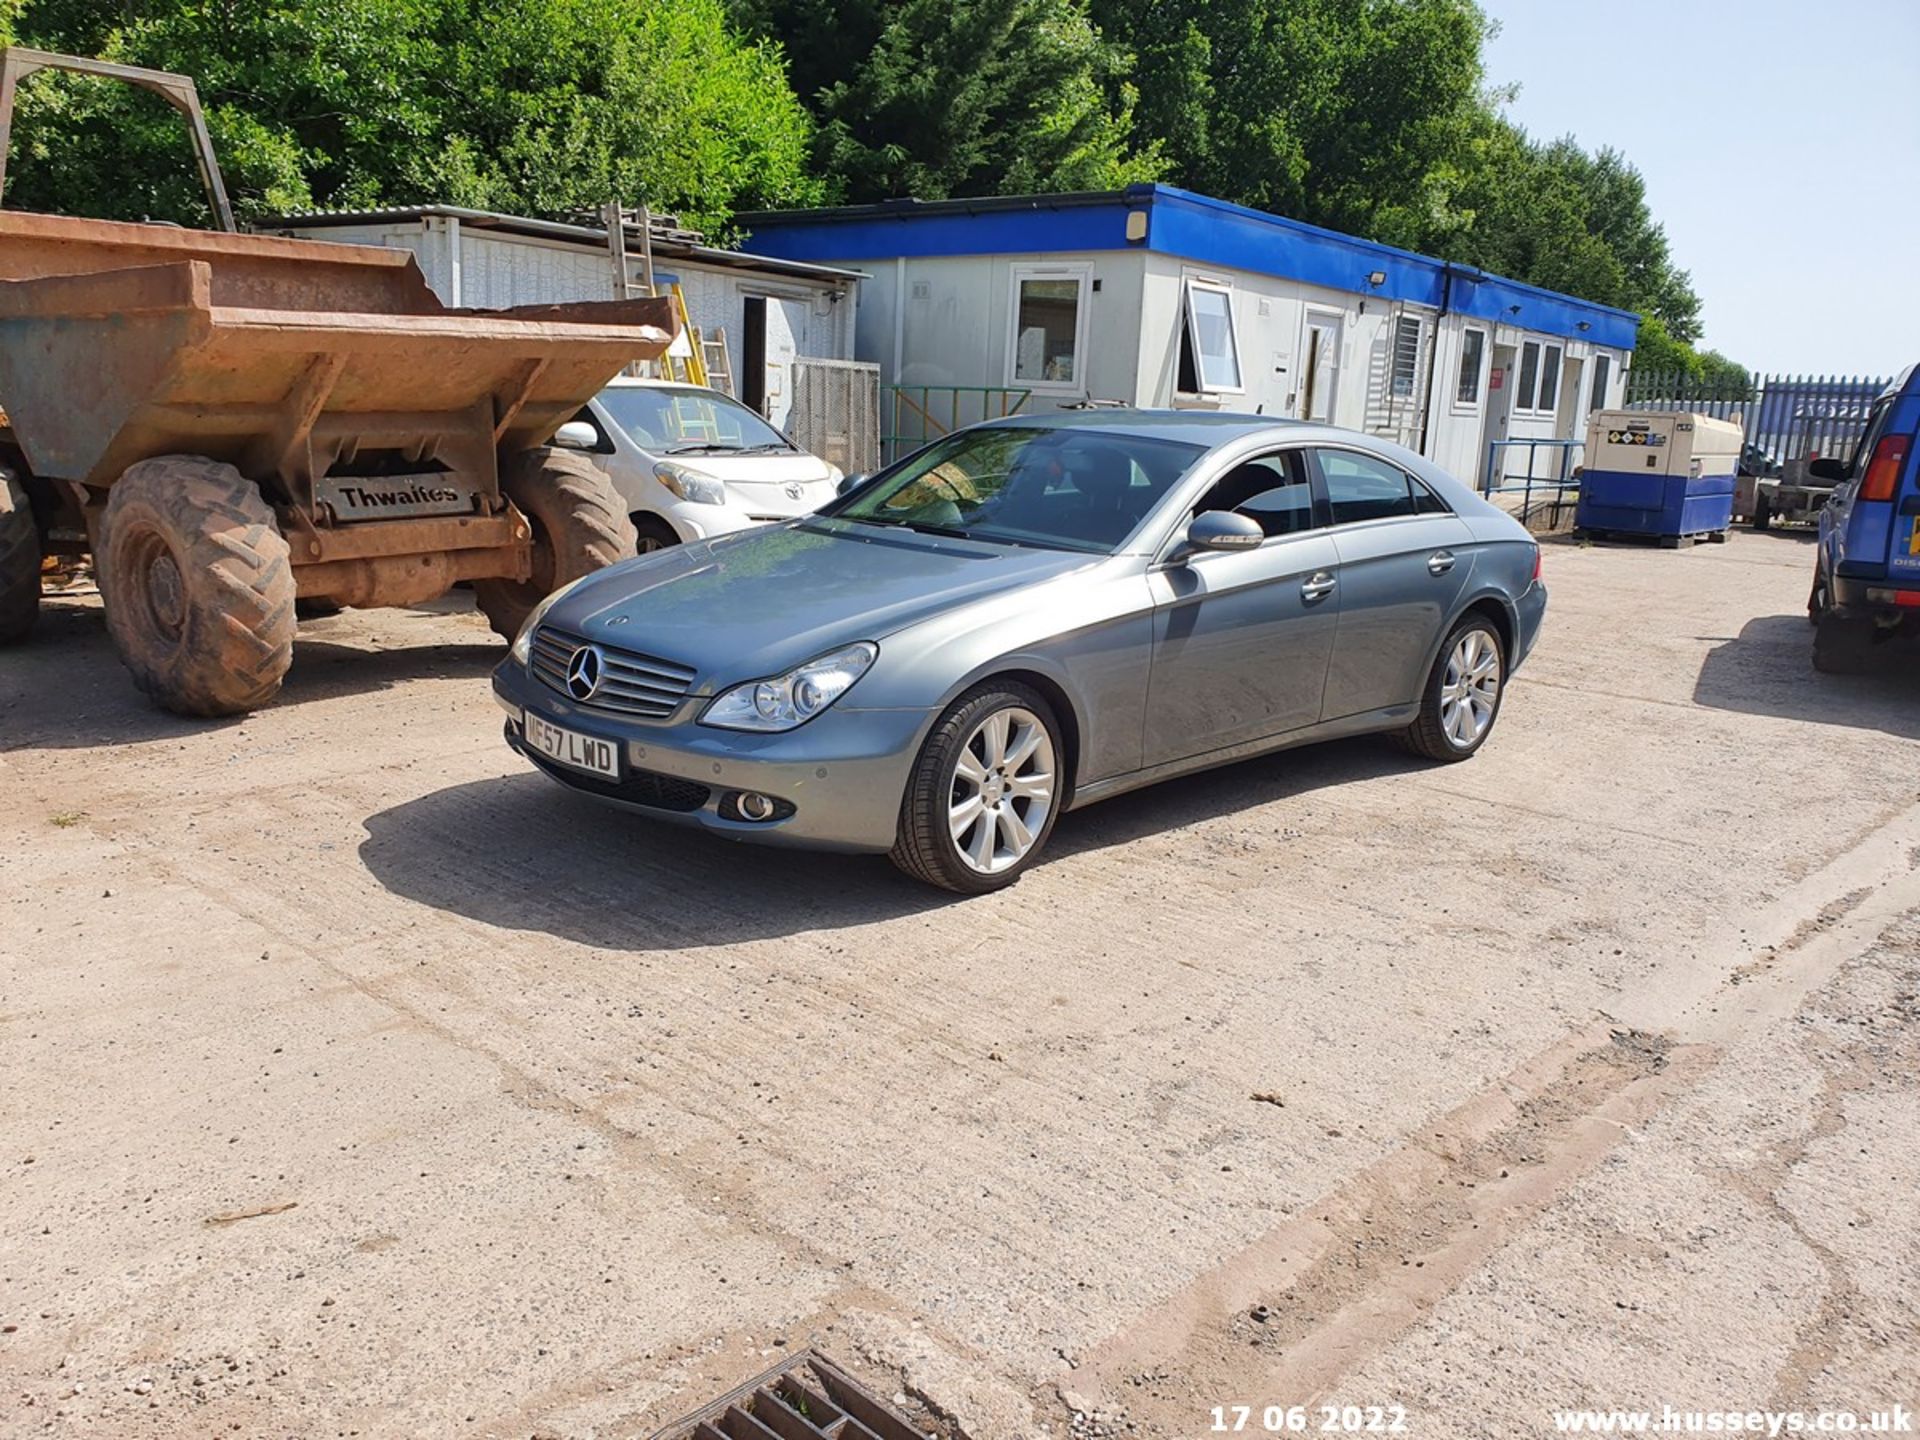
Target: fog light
{"type": "Point", "coordinates": [754, 806]}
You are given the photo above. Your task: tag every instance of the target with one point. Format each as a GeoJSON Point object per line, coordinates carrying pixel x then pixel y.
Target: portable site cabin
{"type": "Point", "coordinates": [1160, 297]}
{"type": "Point", "coordinates": [777, 314]}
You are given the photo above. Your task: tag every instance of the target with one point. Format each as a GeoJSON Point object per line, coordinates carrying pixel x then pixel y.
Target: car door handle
{"type": "Point", "coordinates": [1439, 562]}
{"type": "Point", "coordinates": [1318, 587]}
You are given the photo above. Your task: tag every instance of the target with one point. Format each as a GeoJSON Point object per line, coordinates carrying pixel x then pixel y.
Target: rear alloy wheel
{"type": "Point", "coordinates": [1462, 698]}
{"type": "Point", "coordinates": [984, 793]}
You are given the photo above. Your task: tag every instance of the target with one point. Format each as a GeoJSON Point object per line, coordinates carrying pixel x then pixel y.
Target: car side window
{"type": "Point", "coordinates": [1425, 501]}
{"type": "Point", "coordinates": [1271, 490]}
{"type": "Point", "coordinates": [1364, 487]}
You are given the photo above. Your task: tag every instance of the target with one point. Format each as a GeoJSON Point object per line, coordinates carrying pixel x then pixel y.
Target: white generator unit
{"type": "Point", "coordinates": [1669, 475]}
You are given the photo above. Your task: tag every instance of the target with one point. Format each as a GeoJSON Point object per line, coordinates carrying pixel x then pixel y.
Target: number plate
{"type": "Point", "coordinates": [571, 748]}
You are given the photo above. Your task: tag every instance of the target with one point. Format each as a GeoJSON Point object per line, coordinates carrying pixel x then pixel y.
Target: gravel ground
{"type": "Point", "coordinates": [360, 1082]}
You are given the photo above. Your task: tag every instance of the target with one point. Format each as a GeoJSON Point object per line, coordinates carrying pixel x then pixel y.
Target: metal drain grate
{"type": "Point", "coordinates": [804, 1397]}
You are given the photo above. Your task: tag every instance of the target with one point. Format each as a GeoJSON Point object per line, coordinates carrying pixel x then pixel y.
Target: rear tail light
{"type": "Point", "coordinates": [1536, 562]}
{"type": "Point", "coordinates": [1883, 471]}
{"type": "Point", "coordinates": [1910, 599]}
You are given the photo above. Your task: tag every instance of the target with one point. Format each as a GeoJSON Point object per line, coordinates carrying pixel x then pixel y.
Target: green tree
{"type": "Point", "coordinates": [1354, 114]}
{"type": "Point", "coordinates": [529, 105]}
{"type": "Point", "coordinates": [937, 98]}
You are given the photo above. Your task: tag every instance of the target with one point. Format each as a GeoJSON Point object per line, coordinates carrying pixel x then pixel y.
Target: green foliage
{"type": "Point", "coordinates": [1657, 353]}
{"type": "Point", "coordinates": [1347, 113]}
{"type": "Point", "coordinates": [537, 106]}
{"type": "Point", "coordinates": [1373, 117]}
{"type": "Point", "coordinates": [935, 98]}
{"type": "Point", "coordinates": [1369, 116]}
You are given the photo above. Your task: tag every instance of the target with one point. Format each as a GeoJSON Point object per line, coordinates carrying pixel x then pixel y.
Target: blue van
{"type": "Point", "coordinates": [1866, 575]}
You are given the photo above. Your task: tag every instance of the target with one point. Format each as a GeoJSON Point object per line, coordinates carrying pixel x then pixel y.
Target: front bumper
{"type": "Point", "coordinates": [843, 773]}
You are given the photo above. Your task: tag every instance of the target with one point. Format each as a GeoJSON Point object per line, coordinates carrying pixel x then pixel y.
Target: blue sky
{"type": "Point", "coordinates": [1780, 141]}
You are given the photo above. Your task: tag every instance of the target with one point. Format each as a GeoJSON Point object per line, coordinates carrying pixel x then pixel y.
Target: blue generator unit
{"type": "Point", "coordinates": [1670, 476]}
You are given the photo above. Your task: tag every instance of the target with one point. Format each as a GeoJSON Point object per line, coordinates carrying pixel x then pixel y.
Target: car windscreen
{"type": "Point", "coordinates": [1067, 488]}
{"type": "Point", "coordinates": [666, 421]}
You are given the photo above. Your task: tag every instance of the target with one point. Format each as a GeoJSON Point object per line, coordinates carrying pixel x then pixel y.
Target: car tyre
{"type": "Point", "coordinates": [652, 534]}
{"type": "Point", "coordinates": [19, 562]}
{"type": "Point", "coordinates": [985, 791]}
{"type": "Point", "coordinates": [1817, 597]}
{"type": "Point", "coordinates": [1762, 513]}
{"type": "Point", "coordinates": [1462, 695]}
{"type": "Point", "coordinates": [1842, 645]}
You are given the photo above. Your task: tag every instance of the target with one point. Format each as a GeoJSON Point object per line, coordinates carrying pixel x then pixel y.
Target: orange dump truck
{"type": "Point", "coordinates": [229, 423]}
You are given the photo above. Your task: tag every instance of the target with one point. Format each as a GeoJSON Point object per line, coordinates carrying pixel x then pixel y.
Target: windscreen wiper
{"type": "Point", "coordinates": [702, 447]}
{"type": "Point", "coordinates": [919, 527]}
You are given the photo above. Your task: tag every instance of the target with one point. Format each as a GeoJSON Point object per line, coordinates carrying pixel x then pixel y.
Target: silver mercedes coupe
{"type": "Point", "coordinates": [1023, 618]}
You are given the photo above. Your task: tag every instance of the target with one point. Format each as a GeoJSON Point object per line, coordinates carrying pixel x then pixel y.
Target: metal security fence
{"type": "Point", "coordinates": [916, 414]}
{"type": "Point", "coordinates": [836, 412]}
{"type": "Point", "coordinates": [1786, 418]}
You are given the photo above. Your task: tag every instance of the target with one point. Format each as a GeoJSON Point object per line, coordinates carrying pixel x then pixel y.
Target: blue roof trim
{"type": "Point", "coordinates": [1196, 228]}
{"type": "Point", "coordinates": [881, 233]}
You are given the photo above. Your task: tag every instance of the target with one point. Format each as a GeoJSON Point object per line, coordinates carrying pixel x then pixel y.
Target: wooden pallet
{"type": "Point", "coordinates": [1664, 542]}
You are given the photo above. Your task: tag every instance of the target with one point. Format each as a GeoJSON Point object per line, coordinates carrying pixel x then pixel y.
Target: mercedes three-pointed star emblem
{"type": "Point", "coordinates": [583, 672]}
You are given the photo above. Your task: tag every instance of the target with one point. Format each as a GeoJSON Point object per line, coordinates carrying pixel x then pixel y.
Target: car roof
{"type": "Point", "coordinates": [1208, 428]}
{"type": "Point", "coordinates": [649, 382]}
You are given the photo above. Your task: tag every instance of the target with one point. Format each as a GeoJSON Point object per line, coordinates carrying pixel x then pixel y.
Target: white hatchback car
{"type": "Point", "coordinates": [692, 463]}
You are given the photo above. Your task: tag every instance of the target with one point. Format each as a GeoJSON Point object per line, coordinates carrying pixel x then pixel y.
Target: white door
{"type": "Point", "coordinates": [1500, 382]}
{"type": "Point", "coordinates": [1320, 365]}
{"type": "Point", "coordinates": [786, 321]}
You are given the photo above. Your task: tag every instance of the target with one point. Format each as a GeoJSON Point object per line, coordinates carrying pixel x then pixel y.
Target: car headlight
{"type": "Point", "coordinates": [784, 701]}
{"type": "Point", "coordinates": [690, 484]}
{"type": "Point", "coordinates": [522, 649]}
{"type": "Point", "coordinates": [835, 475]}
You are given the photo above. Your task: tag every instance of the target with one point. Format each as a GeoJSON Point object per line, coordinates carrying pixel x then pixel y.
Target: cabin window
{"type": "Point", "coordinates": [1406, 356]}
{"type": "Point", "coordinates": [1049, 329]}
{"type": "Point", "coordinates": [1473, 356]}
{"type": "Point", "coordinates": [1602, 367]}
{"type": "Point", "coordinates": [1549, 380]}
{"type": "Point", "coordinates": [1209, 346]}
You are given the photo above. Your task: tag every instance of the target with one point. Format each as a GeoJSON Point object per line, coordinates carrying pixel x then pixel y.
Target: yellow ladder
{"type": "Point", "coordinates": [689, 368]}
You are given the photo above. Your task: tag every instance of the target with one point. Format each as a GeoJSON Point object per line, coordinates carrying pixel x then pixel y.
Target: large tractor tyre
{"type": "Point", "coordinates": [580, 525]}
{"type": "Point", "coordinates": [19, 563]}
{"type": "Point", "coordinates": [198, 586]}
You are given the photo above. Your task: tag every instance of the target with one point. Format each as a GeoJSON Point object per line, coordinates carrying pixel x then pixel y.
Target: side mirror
{"type": "Point", "coordinates": [850, 483]}
{"type": "Point", "coordinates": [1223, 530]}
{"type": "Point", "coordinates": [1826, 468]}
{"type": "Point", "coordinates": [577, 435]}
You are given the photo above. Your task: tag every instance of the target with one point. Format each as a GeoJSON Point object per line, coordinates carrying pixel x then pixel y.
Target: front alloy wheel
{"type": "Point", "coordinates": [1002, 790]}
{"type": "Point", "coordinates": [984, 792]}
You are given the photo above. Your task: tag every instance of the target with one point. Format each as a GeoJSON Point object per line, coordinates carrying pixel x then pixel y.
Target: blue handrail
{"type": "Point", "coordinates": [1562, 475]}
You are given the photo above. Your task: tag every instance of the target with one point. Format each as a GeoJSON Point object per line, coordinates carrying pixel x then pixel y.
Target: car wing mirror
{"type": "Point", "coordinates": [1827, 468]}
{"type": "Point", "coordinates": [850, 483]}
{"type": "Point", "coordinates": [1223, 530]}
{"type": "Point", "coordinates": [577, 435]}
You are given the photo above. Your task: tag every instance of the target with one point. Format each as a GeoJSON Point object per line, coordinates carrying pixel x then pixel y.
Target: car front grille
{"type": "Point", "coordinates": [640, 787]}
{"type": "Point", "coordinates": [630, 684]}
